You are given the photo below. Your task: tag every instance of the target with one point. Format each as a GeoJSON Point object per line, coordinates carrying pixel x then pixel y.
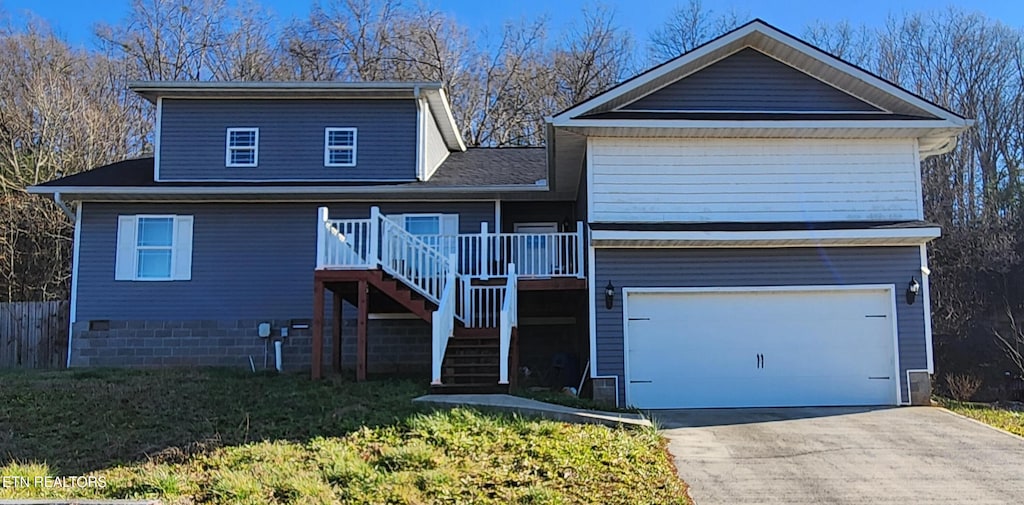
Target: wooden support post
{"type": "Point", "coordinates": [336, 321]}
{"type": "Point", "coordinates": [364, 309]}
{"type": "Point", "coordinates": [318, 330]}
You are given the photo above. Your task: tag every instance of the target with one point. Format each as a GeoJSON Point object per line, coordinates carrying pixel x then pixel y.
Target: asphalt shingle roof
{"type": "Point", "coordinates": [473, 167]}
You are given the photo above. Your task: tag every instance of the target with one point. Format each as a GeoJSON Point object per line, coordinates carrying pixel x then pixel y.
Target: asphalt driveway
{"type": "Point", "coordinates": [918, 455]}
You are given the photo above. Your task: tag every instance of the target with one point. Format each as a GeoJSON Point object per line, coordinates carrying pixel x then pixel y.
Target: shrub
{"type": "Point", "coordinates": [962, 386]}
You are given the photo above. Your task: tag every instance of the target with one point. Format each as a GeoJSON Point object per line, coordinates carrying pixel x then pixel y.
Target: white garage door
{"type": "Point", "coordinates": [760, 347]}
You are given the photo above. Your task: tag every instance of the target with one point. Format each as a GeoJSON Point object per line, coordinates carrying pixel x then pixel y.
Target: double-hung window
{"type": "Point", "coordinates": [437, 230]}
{"type": "Point", "coordinates": [153, 248]}
{"type": "Point", "coordinates": [339, 147]}
{"type": "Point", "coordinates": [243, 147]}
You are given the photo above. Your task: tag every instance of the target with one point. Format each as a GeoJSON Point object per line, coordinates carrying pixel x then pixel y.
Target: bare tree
{"type": "Point", "coordinates": [62, 111]}
{"type": "Point", "coordinates": [247, 49]}
{"type": "Point", "coordinates": [687, 27]}
{"type": "Point", "coordinates": [843, 40]}
{"type": "Point", "coordinates": [166, 39]}
{"type": "Point", "coordinates": [594, 55]}
{"type": "Point", "coordinates": [500, 106]}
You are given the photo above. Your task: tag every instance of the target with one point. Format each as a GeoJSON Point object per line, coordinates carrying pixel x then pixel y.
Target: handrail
{"type": "Point", "coordinates": [509, 319]}
{"type": "Point", "coordinates": [443, 323]}
{"type": "Point", "coordinates": [407, 257]}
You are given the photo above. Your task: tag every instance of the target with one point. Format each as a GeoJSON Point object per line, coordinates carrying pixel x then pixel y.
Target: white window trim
{"type": "Point", "coordinates": [181, 249]}
{"type": "Point", "coordinates": [136, 248]}
{"type": "Point", "coordinates": [229, 148]}
{"type": "Point", "coordinates": [438, 216]}
{"type": "Point", "coordinates": [328, 147]}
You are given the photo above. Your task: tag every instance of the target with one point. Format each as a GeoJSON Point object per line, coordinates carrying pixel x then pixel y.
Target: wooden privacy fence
{"type": "Point", "coordinates": [33, 334]}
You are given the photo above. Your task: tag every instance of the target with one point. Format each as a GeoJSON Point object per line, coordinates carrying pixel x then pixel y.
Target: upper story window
{"type": "Point", "coordinates": [340, 147]}
{"type": "Point", "coordinates": [153, 248]}
{"type": "Point", "coordinates": [243, 147]}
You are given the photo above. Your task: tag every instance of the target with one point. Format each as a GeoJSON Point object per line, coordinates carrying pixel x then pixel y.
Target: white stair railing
{"type": "Point", "coordinates": [483, 305]}
{"type": "Point", "coordinates": [443, 323]}
{"type": "Point", "coordinates": [509, 318]}
{"type": "Point", "coordinates": [418, 264]}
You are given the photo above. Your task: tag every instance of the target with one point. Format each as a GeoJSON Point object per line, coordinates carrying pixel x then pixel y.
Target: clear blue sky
{"type": "Point", "coordinates": [75, 18]}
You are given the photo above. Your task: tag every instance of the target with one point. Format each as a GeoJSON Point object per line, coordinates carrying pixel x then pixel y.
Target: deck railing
{"type": "Point", "coordinates": [363, 243]}
{"type": "Point", "coordinates": [344, 243]}
{"type": "Point", "coordinates": [509, 318]}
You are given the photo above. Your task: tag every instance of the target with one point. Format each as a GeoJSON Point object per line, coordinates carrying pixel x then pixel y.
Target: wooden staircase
{"type": "Point", "coordinates": [403, 294]}
{"type": "Point", "coordinates": [471, 363]}
{"type": "Point", "coordinates": [471, 360]}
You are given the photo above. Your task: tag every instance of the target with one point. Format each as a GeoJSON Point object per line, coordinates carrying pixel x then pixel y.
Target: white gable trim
{"type": "Point", "coordinates": [735, 38]}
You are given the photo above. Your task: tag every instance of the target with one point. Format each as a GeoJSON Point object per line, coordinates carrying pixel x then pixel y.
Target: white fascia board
{"type": "Point", "coordinates": [746, 124]}
{"type": "Point", "coordinates": [446, 109]}
{"type": "Point", "coordinates": [724, 237]}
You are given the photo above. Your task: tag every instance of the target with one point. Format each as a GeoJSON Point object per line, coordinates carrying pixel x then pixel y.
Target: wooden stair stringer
{"type": "Point", "coordinates": [402, 294]}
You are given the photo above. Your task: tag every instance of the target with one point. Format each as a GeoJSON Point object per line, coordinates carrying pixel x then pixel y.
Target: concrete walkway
{"type": "Point", "coordinates": [534, 408]}
{"type": "Point", "coordinates": [919, 455]}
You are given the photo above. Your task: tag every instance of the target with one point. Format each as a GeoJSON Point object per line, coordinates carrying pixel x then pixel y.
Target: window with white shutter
{"type": "Point", "coordinates": [154, 248]}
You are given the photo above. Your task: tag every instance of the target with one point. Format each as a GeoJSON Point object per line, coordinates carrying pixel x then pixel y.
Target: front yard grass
{"type": "Point", "coordinates": [1003, 418]}
{"type": "Point", "coordinates": [223, 436]}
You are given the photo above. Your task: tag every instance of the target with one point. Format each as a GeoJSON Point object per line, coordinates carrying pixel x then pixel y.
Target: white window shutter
{"type": "Point", "coordinates": [124, 262]}
{"type": "Point", "coordinates": [449, 224]}
{"type": "Point", "coordinates": [182, 248]}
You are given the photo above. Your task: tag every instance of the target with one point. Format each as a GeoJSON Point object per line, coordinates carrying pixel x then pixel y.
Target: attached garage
{"type": "Point", "coordinates": [760, 346]}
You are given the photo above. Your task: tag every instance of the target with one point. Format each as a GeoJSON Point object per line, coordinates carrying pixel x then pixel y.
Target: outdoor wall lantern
{"type": "Point", "coordinates": [566, 224]}
{"type": "Point", "coordinates": [609, 296]}
{"type": "Point", "coordinates": [912, 289]}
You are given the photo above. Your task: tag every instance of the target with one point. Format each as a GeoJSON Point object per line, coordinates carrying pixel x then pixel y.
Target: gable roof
{"type": "Point", "coordinates": [433, 92]}
{"type": "Point", "coordinates": [772, 42]}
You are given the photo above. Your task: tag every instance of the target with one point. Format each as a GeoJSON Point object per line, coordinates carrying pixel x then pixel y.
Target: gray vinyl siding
{"type": "Point", "coordinates": [291, 139]}
{"type": "Point", "coordinates": [750, 81]}
{"type": "Point", "coordinates": [249, 261]}
{"type": "Point", "coordinates": [756, 267]}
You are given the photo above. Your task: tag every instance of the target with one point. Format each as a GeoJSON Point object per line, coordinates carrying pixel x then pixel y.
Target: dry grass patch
{"type": "Point", "coordinates": [231, 437]}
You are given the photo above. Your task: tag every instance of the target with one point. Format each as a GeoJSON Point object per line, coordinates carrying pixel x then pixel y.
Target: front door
{"type": "Point", "coordinates": [535, 255]}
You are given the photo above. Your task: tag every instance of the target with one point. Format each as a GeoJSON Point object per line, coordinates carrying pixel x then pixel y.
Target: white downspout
{"type": "Point", "coordinates": [63, 206]}
{"type": "Point", "coordinates": [73, 311]}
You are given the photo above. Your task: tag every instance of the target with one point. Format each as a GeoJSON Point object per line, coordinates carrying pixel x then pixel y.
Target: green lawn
{"type": "Point", "coordinates": [1009, 420]}
{"type": "Point", "coordinates": [217, 436]}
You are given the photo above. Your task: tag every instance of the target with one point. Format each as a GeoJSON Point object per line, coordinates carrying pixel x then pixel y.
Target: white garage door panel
{"type": "Point", "coordinates": [819, 347]}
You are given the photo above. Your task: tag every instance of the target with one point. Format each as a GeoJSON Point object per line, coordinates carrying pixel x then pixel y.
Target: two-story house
{"type": "Point", "coordinates": [739, 226]}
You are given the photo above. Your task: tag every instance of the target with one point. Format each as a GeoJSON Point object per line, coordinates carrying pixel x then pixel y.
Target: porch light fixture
{"type": "Point", "coordinates": [566, 224]}
{"type": "Point", "coordinates": [609, 296]}
{"type": "Point", "coordinates": [913, 288]}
